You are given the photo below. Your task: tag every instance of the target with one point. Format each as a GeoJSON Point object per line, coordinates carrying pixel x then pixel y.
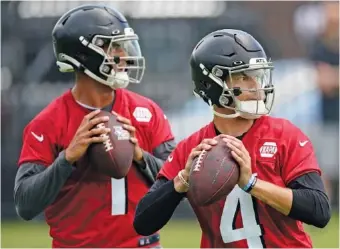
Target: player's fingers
{"type": "Point", "coordinates": [236, 149]}
{"type": "Point", "coordinates": [134, 140]}
{"type": "Point", "coordinates": [194, 154]}
{"type": "Point", "coordinates": [114, 113]}
{"type": "Point", "coordinates": [237, 158]}
{"type": "Point", "coordinates": [91, 115]}
{"type": "Point", "coordinates": [85, 138]}
{"type": "Point", "coordinates": [203, 146]}
{"type": "Point", "coordinates": [97, 139]}
{"type": "Point", "coordinates": [221, 136]}
{"type": "Point", "coordinates": [237, 143]}
{"type": "Point", "coordinates": [129, 128]}
{"type": "Point", "coordinates": [209, 141]}
{"type": "Point", "coordinates": [234, 143]}
{"type": "Point", "coordinates": [95, 122]}
{"type": "Point", "coordinates": [240, 153]}
{"type": "Point", "coordinates": [124, 120]}
{"type": "Point", "coordinates": [231, 138]}
{"type": "Point", "coordinates": [98, 131]}
{"type": "Point", "coordinates": [240, 145]}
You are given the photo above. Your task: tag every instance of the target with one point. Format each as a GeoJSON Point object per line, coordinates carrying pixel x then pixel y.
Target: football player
{"type": "Point", "coordinates": [279, 187]}
{"type": "Point", "coordinates": [83, 207]}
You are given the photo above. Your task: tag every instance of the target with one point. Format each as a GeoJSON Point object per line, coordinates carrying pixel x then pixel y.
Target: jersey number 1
{"type": "Point", "coordinates": [238, 200]}
{"type": "Point", "coordinates": [118, 196]}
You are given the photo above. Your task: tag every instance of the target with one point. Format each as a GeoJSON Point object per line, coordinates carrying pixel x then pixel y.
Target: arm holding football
{"type": "Point", "coordinates": [37, 186]}
{"type": "Point", "coordinates": [275, 196]}
{"type": "Point", "coordinates": [156, 208]}
{"type": "Point", "coordinates": [152, 163]}
{"type": "Point", "coordinates": [158, 205]}
{"type": "Point", "coordinates": [306, 200]}
{"type": "Point", "coordinates": [162, 143]}
{"type": "Point", "coordinates": [288, 201]}
{"type": "Point", "coordinates": [38, 181]}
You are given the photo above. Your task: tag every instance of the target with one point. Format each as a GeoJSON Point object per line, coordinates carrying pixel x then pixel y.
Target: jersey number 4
{"type": "Point", "coordinates": [238, 200]}
{"type": "Point", "coordinates": [118, 196]}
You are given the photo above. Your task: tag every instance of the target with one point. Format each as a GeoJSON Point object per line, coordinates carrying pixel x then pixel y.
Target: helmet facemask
{"type": "Point", "coordinates": [247, 89]}
{"type": "Point", "coordinates": [122, 62]}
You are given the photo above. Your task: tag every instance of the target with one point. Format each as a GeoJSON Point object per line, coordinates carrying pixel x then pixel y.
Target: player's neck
{"type": "Point", "coordinates": [91, 93]}
{"type": "Point", "coordinates": [233, 126]}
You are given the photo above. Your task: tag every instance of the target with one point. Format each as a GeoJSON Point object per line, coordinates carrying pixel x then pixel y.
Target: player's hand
{"type": "Point", "coordinates": [241, 155]}
{"type": "Point", "coordinates": [86, 135]}
{"type": "Point", "coordinates": [206, 144]}
{"type": "Point", "coordinates": [138, 153]}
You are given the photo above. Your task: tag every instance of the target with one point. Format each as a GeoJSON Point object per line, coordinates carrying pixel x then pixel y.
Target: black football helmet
{"type": "Point", "coordinates": [220, 56]}
{"type": "Point", "coordinates": [98, 41]}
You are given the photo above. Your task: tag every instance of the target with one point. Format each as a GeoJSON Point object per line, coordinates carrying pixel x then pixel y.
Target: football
{"type": "Point", "coordinates": [113, 157]}
{"type": "Point", "coordinates": [213, 175]}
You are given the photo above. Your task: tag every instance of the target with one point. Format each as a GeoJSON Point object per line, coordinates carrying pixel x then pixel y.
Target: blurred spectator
{"type": "Point", "coordinates": [317, 25]}
{"type": "Point", "coordinates": [325, 54]}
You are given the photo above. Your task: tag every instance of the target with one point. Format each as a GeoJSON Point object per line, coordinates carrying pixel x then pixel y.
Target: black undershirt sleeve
{"type": "Point", "coordinates": [156, 208]}
{"type": "Point", "coordinates": [37, 186]}
{"type": "Point", "coordinates": [152, 163]}
{"type": "Point", "coordinates": [310, 204]}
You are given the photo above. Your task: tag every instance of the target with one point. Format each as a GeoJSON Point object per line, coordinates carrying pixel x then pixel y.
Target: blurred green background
{"type": "Point", "coordinates": [177, 233]}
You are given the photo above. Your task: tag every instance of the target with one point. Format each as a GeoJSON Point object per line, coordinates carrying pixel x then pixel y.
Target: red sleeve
{"type": "Point", "coordinates": [175, 162]}
{"type": "Point", "coordinates": [160, 127]}
{"type": "Point", "coordinates": [298, 154]}
{"type": "Point", "coordinates": [38, 143]}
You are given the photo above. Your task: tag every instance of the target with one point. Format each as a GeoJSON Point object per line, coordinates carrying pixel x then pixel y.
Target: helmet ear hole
{"type": "Point", "coordinates": [81, 56]}
{"type": "Point", "coordinates": [226, 100]}
{"type": "Point", "coordinates": [206, 85]}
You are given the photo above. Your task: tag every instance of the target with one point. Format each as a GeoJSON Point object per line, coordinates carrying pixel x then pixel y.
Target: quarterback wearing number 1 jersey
{"type": "Point", "coordinates": [83, 207]}
{"type": "Point", "coordinates": [91, 207]}
{"type": "Point", "coordinates": [239, 220]}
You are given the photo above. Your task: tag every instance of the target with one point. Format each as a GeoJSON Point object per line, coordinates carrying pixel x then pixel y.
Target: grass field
{"type": "Point", "coordinates": [184, 234]}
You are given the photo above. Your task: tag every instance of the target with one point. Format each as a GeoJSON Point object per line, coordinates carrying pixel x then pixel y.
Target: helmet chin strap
{"type": "Point", "coordinates": [251, 109]}
{"type": "Point", "coordinates": [244, 105]}
{"type": "Point", "coordinates": [221, 115]}
{"type": "Point", "coordinates": [119, 80]}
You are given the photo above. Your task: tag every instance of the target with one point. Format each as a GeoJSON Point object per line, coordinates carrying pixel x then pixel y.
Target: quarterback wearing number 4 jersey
{"type": "Point", "coordinates": [83, 207]}
{"type": "Point", "coordinates": [278, 156]}
{"type": "Point", "coordinates": [279, 187]}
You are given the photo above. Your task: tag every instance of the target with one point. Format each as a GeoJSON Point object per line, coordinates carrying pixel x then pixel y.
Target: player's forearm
{"type": "Point", "coordinates": [152, 163]}
{"type": "Point", "coordinates": [275, 196]}
{"type": "Point", "coordinates": [150, 166]}
{"type": "Point", "coordinates": [37, 186]}
{"type": "Point", "coordinates": [156, 208]}
{"type": "Point", "coordinates": [310, 201]}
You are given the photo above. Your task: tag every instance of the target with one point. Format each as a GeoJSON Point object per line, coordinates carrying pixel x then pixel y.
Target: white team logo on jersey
{"type": "Point", "coordinates": [268, 149]}
{"type": "Point", "coordinates": [142, 114]}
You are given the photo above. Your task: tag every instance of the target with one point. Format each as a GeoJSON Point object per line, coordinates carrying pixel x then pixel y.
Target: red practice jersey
{"type": "Point", "coordinates": [93, 210]}
{"type": "Point", "coordinates": [280, 153]}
